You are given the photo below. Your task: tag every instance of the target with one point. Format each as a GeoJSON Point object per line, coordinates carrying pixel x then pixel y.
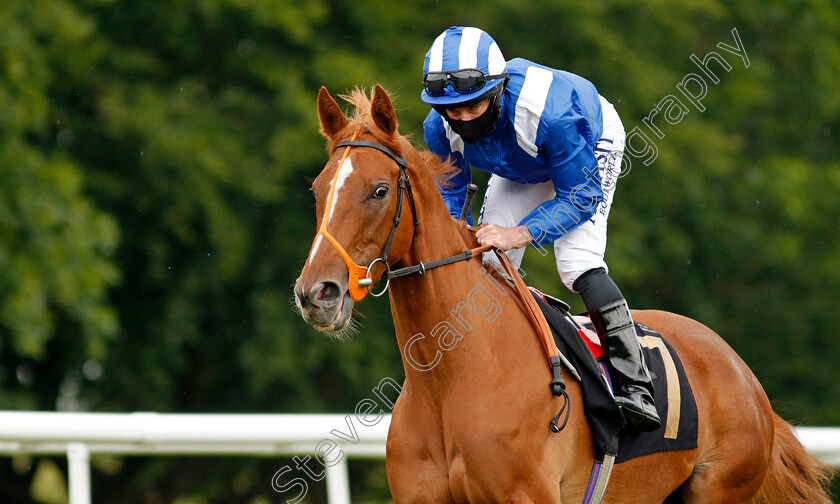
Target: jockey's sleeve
{"type": "Point", "coordinates": [455, 191]}
{"type": "Point", "coordinates": [576, 184]}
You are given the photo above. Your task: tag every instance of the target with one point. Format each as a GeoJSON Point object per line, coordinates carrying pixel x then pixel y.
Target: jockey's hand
{"type": "Point", "coordinates": [504, 238]}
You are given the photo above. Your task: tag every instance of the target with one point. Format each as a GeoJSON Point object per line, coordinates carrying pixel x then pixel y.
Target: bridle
{"type": "Point", "coordinates": [360, 281]}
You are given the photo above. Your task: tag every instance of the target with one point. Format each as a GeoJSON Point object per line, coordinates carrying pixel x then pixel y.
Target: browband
{"type": "Point", "coordinates": [362, 143]}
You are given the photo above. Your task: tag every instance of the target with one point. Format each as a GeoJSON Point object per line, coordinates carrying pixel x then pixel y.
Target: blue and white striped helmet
{"type": "Point", "coordinates": [462, 47]}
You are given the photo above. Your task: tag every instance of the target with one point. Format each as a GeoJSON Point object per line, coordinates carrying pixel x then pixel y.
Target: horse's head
{"type": "Point", "coordinates": [363, 210]}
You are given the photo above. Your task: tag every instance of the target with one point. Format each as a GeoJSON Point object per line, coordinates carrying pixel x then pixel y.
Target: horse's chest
{"type": "Point", "coordinates": [482, 453]}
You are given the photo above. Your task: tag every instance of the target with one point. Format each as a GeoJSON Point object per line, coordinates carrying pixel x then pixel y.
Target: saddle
{"type": "Point", "coordinates": [576, 339]}
{"type": "Point", "coordinates": [568, 342]}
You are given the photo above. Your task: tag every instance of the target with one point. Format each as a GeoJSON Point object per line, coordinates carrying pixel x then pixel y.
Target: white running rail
{"type": "Point", "coordinates": [78, 435]}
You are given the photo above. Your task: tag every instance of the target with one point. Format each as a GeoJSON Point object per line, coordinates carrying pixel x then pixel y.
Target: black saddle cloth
{"type": "Point", "coordinates": [672, 393]}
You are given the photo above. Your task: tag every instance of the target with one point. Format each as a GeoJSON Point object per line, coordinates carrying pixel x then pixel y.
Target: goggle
{"type": "Point", "coordinates": [463, 81]}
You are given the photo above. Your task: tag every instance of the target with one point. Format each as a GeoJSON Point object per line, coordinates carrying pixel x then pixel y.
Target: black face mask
{"type": "Point", "coordinates": [479, 127]}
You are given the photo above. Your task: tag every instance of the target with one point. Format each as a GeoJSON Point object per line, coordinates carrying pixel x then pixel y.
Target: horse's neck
{"type": "Point", "coordinates": [456, 315]}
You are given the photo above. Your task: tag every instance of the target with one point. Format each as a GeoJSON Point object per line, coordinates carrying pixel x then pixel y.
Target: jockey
{"type": "Point", "coordinates": [554, 148]}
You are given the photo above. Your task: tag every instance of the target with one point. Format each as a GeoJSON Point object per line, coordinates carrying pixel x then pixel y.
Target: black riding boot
{"type": "Point", "coordinates": [634, 393]}
{"type": "Point", "coordinates": [614, 324]}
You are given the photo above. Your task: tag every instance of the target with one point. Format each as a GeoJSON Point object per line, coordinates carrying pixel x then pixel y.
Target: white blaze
{"type": "Point", "coordinates": [344, 171]}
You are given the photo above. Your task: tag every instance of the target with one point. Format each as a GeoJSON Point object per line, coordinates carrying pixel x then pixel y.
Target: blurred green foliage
{"type": "Point", "coordinates": [155, 159]}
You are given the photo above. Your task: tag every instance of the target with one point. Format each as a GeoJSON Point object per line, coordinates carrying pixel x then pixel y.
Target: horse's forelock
{"type": "Point", "coordinates": [360, 118]}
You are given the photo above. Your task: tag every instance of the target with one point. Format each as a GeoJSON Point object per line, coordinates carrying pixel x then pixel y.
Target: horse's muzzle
{"type": "Point", "coordinates": [325, 305]}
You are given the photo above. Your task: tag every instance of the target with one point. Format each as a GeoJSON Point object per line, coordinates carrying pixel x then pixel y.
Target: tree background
{"type": "Point", "coordinates": [155, 159]}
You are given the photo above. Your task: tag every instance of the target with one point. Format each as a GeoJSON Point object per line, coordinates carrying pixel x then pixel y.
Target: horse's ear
{"type": "Point", "coordinates": [332, 118]}
{"type": "Point", "coordinates": [382, 111]}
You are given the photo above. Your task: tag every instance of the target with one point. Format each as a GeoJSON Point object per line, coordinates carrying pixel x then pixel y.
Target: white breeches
{"type": "Point", "coordinates": [506, 203]}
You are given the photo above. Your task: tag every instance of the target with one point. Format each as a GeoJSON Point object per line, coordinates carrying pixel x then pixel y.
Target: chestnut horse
{"type": "Point", "coordinates": [472, 424]}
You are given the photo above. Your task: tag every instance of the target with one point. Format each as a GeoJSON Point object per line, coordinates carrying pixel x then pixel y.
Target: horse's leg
{"type": "Point", "coordinates": [649, 479]}
{"type": "Point", "coordinates": [415, 463]}
{"type": "Point", "coordinates": [501, 470]}
{"type": "Point", "coordinates": [792, 476]}
{"type": "Point", "coordinates": [710, 486]}
{"type": "Point", "coordinates": [733, 462]}
{"type": "Point", "coordinates": [530, 491]}
{"type": "Point", "coordinates": [527, 499]}
{"type": "Point", "coordinates": [736, 421]}
{"type": "Point", "coordinates": [518, 460]}
{"type": "Point", "coordinates": [735, 440]}
{"type": "Point", "coordinates": [413, 480]}
{"type": "Point", "coordinates": [732, 467]}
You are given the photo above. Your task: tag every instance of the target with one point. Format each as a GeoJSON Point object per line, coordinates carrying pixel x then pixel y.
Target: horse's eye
{"type": "Point", "coordinates": [380, 192]}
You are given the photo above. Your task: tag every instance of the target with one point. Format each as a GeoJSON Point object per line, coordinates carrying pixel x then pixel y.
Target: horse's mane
{"type": "Point", "coordinates": [442, 171]}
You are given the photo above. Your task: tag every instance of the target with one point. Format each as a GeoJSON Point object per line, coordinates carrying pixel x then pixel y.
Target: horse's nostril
{"type": "Point", "coordinates": [330, 292]}
{"type": "Point", "coordinates": [325, 294]}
